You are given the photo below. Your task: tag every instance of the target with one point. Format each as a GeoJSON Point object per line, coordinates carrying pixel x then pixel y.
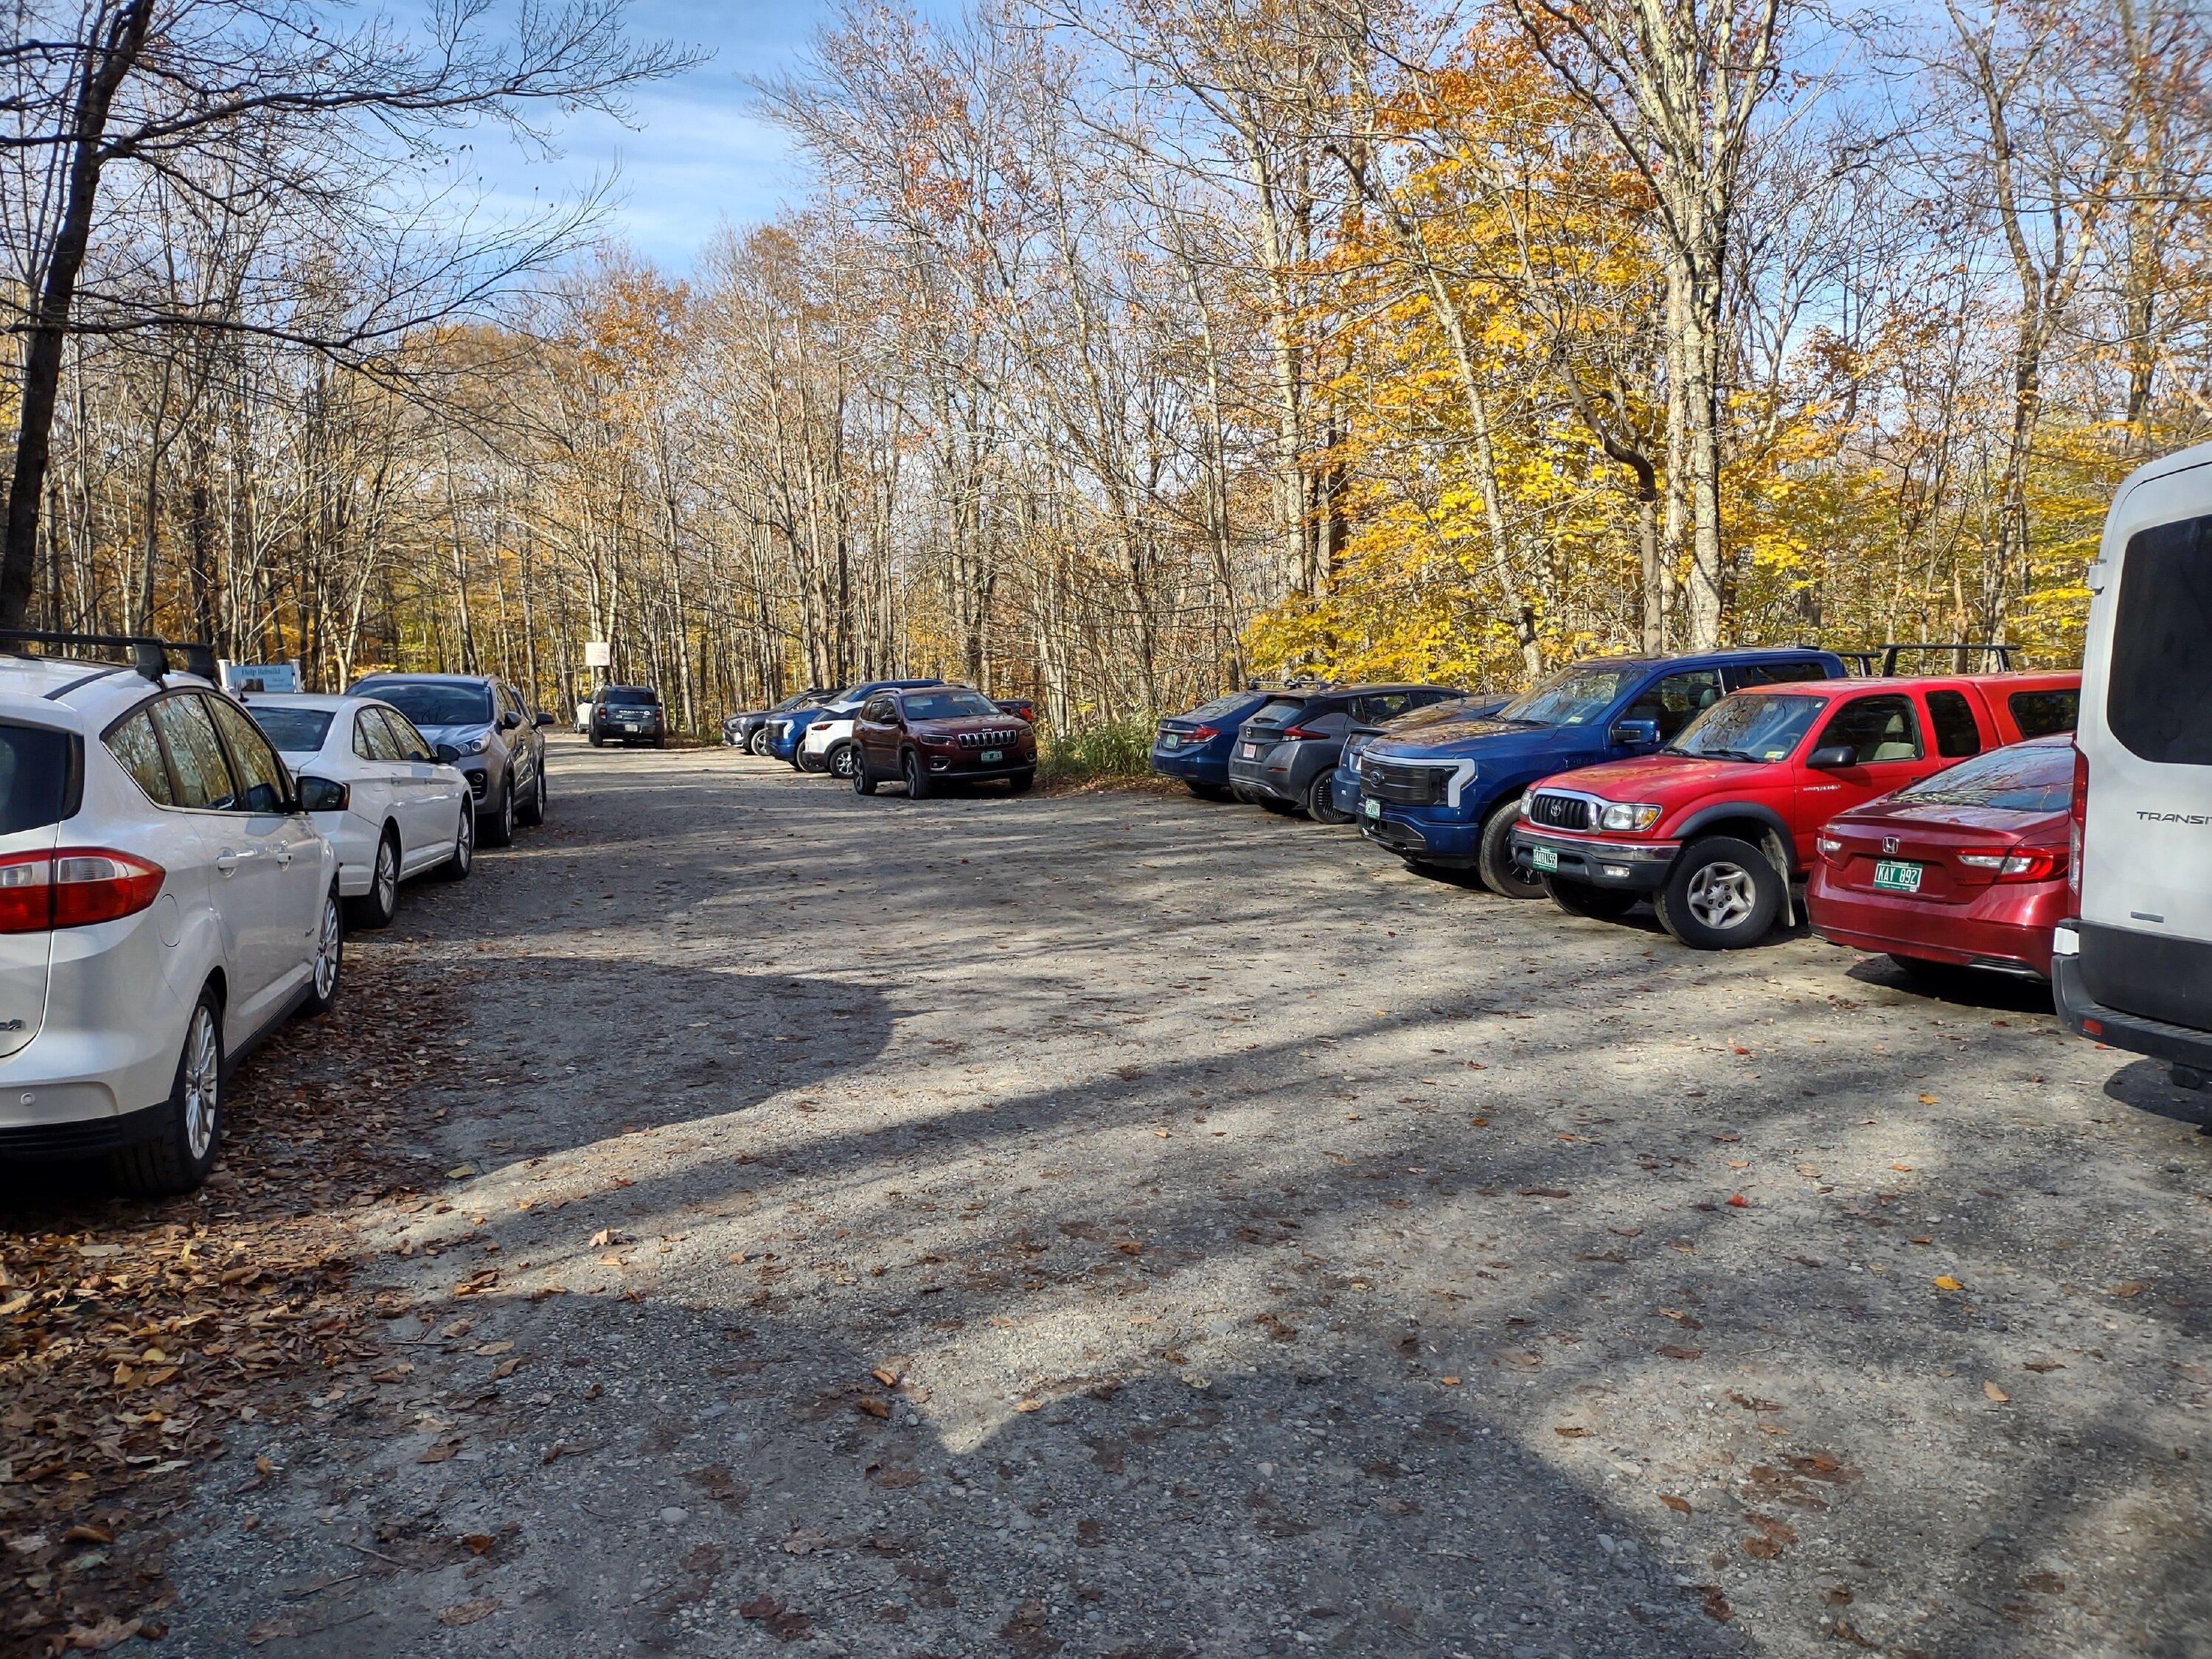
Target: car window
{"type": "Point", "coordinates": [1751, 725]}
{"type": "Point", "coordinates": [1573, 696]}
{"type": "Point", "coordinates": [34, 776]}
{"type": "Point", "coordinates": [1220, 707]}
{"type": "Point", "coordinates": [434, 703]}
{"type": "Point", "coordinates": [2158, 696]}
{"type": "Point", "coordinates": [409, 741]}
{"type": "Point", "coordinates": [1776, 673]}
{"type": "Point", "coordinates": [1952, 717]}
{"type": "Point", "coordinates": [2044, 714]}
{"type": "Point", "coordinates": [138, 750]}
{"type": "Point", "coordinates": [372, 739]}
{"type": "Point", "coordinates": [2027, 777]}
{"type": "Point", "coordinates": [1379, 706]}
{"type": "Point", "coordinates": [300, 731]}
{"type": "Point", "coordinates": [1881, 728]}
{"type": "Point", "coordinates": [631, 696]}
{"type": "Point", "coordinates": [203, 776]}
{"type": "Point", "coordinates": [1675, 699]}
{"type": "Point", "coordinates": [261, 774]}
{"type": "Point", "coordinates": [1281, 711]}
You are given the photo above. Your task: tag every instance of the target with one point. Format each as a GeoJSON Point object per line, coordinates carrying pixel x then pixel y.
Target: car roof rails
{"type": "Point", "coordinates": [1294, 683]}
{"type": "Point", "coordinates": [149, 656]}
{"type": "Point", "coordinates": [1891, 652]}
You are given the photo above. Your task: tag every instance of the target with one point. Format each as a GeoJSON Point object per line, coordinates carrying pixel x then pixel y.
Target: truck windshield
{"type": "Point", "coordinates": [1573, 696]}
{"type": "Point", "coordinates": [1751, 725]}
{"type": "Point", "coordinates": [2028, 777]}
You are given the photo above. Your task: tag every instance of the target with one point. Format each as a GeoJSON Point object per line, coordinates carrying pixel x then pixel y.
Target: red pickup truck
{"type": "Point", "coordinates": [1714, 828]}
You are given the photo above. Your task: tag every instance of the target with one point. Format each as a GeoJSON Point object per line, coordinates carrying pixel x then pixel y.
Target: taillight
{"type": "Point", "coordinates": [1199, 734]}
{"type": "Point", "coordinates": [73, 887]}
{"type": "Point", "coordinates": [2023, 864]}
{"type": "Point", "coordinates": [1298, 734]}
{"type": "Point", "coordinates": [2077, 821]}
{"type": "Point", "coordinates": [1831, 848]}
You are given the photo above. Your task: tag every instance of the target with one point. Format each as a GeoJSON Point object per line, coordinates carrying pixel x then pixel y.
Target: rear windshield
{"type": "Point", "coordinates": [1751, 725]}
{"type": "Point", "coordinates": [34, 777]}
{"type": "Point", "coordinates": [2042, 714]}
{"type": "Point", "coordinates": [295, 730]}
{"type": "Point", "coordinates": [1280, 711]}
{"type": "Point", "coordinates": [1573, 696]}
{"type": "Point", "coordinates": [2160, 700]}
{"type": "Point", "coordinates": [630, 696]}
{"type": "Point", "coordinates": [429, 704]}
{"type": "Point", "coordinates": [2028, 777]}
{"type": "Point", "coordinates": [1220, 707]}
{"type": "Point", "coordinates": [947, 705]}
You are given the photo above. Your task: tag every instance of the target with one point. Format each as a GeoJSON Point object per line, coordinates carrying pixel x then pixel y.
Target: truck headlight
{"type": "Point", "coordinates": [1625, 816]}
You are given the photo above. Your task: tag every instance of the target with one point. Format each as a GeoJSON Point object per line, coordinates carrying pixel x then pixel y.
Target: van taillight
{"type": "Point", "coordinates": [73, 887]}
{"type": "Point", "coordinates": [2077, 821]}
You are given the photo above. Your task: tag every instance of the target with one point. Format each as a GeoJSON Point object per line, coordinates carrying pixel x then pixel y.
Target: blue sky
{"type": "Point", "coordinates": [699, 156]}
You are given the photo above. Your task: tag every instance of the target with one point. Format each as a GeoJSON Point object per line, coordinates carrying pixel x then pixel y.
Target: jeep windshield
{"type": "Point", "coordinates": [1751, 725]}
{"type": "Point", "coordinates": [948, 705]}
{"type": "Point", "coordinates": [1573, 696]}
{"type": "Point", "coordinates": [428, 702]}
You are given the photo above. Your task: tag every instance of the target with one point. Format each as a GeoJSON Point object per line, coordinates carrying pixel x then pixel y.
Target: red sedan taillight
{"type": "Point", "coordinates": [2021, 864]}
{"type": "Point", "coordinates": [73, 887]}
{"type": "Point", "coordinates": [2077, 821]}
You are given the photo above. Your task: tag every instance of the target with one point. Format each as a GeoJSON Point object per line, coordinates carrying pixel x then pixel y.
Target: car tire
{"type": "Point", "coordinates": [757, 743]}
{"type": "Point", "coordinates": [660, 740]}
{"type": "Point", "coordinates": [463, 859]}
{"type": "Point", "coordinates": [1207, 791]}
{"type": "Point", "coordinates": [1583, 899]}
{"type": "Point", "coordinates": [916, 775]}
{"type": "Point", "coordinates": [1722, 894]}
{"type": "Point", "coordinates": [182, 1154]}
{"type": "Point", "coordinates": [500, 830]}
{"type": "Point", "coordinates": [1021, 782]}
{"type": "Point", "coordinates": [1494, 862]}
{"type": "Point", "coordinates": [1321, 801]}
{"type": "Point", "coordinates": [328, 963]}
{"type": "Point", "coordinates": [841, 760]}
{"type": "Point", "coordinates": [531, 813]}
{"type": "Point", "coordinates": [864, 780]}
{"type": "Point", "coordinates": [376, 908]}
{"type": "Point", "coordinates": [596, 740]}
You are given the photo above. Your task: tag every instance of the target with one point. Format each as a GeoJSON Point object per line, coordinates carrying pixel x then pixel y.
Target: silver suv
{"type": "Point", "coordinates": [479, 723]}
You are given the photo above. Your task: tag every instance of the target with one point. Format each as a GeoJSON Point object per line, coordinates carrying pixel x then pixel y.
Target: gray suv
{"type": "Point", "coordinates": [1285, 753]}
{"type": "Point", "coordinates": [479, 723]}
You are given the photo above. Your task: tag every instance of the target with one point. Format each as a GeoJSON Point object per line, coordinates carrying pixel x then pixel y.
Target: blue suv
{"type": "Point", "coordinates": [786, 729]}
{"type": "Point", "coordinates": [1449, 796]}
{"type": "Point", "coordinates": [1196, 747]}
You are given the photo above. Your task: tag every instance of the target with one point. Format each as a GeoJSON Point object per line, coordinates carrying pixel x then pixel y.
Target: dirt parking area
{"type": "Point", "coordinates": [1113, 1224]}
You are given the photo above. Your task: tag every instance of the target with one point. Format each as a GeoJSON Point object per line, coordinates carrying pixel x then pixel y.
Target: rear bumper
{"type": "Point", "coordinates": [1625, 865]}
{"type": "Point", "coordinates": [2138, 1034]}
{"type": "Point", "coordinates": [1430, 841]}
{"type": "Point", "coordinates": [1257, 777]}
{"type": "Point", "coordinates": [1957, 934]}
{"type": "Point", "coordinates": [83, 1137]}
{"type": "Point", "coordinates": [1190, 765]}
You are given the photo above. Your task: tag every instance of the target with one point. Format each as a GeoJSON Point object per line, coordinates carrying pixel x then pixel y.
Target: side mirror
{"type": "Point", "coordinates": [1834, 757]}
{"type": "Point", "coordinates": [321, 795]}
{"type": "Point", "coordinates": [544, 719]}
{"type": "Point", "coordinates": [448, 754]}
{"type": "Point", "coordinates": [507, 722]}
{"type": "Point", "coordinates": [1631, 734]}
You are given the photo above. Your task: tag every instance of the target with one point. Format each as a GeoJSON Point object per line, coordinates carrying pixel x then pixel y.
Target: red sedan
{"type": "Point", "coordinates": [1967, 868]}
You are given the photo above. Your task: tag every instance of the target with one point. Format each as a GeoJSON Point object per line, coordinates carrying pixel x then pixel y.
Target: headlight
{"type": "Point", "coordinates": [1624, 817]}
{"type": "Point", "coordinates": [1527, 800]}
{"type": "Point", "coordinates": [475, 745]}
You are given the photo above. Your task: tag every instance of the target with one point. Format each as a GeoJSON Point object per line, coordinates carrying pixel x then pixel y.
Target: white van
{"type": "Point", "coordinates": [2135, 968]}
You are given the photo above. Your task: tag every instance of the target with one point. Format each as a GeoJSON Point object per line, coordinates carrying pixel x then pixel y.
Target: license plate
{"type": "Point", "coordinates": [1250, 750]}
{"type": "Point", "coordinates": [1543, 858]}
{"type": "Point", "coordinates": [1372, 808]}
{"type": "Point", "coordinates": [990, 755]}
{"type": "Point", "coordinates": [1890, 876]}
{"type": "Point", "coordinates": [1171, 741]}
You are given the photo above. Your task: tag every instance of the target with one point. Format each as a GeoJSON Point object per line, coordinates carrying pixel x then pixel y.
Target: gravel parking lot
{"type": "Point", "coordinates": [1112, 1224]}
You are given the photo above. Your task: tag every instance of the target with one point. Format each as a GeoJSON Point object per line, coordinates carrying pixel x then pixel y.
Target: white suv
{"type": "Point", "coordinates": [827, 743]}
{"type": "Point", "coordinates": [164, 903]}
{"type": "Point", "coordinates": [2134, 968]}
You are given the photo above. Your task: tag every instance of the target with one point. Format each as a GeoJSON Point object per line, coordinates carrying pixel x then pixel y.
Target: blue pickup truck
{"type": "Point", "coordinates": [1448, 796]}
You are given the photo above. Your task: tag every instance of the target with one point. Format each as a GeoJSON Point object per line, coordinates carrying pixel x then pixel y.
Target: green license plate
{"type": "Point", "coordinates": [1891, 876]}
{"type": "Point", "coordinates": [1372, 808]}
{"type": "Point", "coordinates": [1543, 858]}
{"type": "Point", "coordinates": [990, 755]}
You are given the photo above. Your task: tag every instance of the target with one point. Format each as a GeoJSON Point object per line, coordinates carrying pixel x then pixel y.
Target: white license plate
{"type": "Point", "coordinates": [1171, 741]}
{"type": "Point", "coordinates": [1543, 858]}
{"type": "Point", "coordinates": [1250, 750]}
{"type": "Point", "coordinates": [1894, 876]}
{"type": "Point", "coordinates": [990, 755]}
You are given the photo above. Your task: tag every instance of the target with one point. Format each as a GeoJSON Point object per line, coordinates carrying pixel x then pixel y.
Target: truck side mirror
{"type": "Point", "coordinates": [1832, 758]}
{"type": "Point", "coordinates": [1632, 734]}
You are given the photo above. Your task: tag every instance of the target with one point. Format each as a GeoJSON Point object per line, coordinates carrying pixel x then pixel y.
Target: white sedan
{"type": "Point", "coordinates": [376, 791]}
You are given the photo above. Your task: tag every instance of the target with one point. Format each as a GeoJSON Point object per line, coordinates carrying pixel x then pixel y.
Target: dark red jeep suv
{"type": "Point", "coordinates": [938, 734]}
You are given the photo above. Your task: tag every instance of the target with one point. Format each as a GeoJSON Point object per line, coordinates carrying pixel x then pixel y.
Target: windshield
{"type": "Point", "coordinates": [631, 696]}
{"type": "Point", "coordinates": [948, 705]}
{"type": "Point", "coordinates": [1573, 696]}
{"type": "Point", "coordinates": [429, 703]}
{"type": "Point", "coordinates": [35, 769]}
{"type": "Point", "coordinates": [796, 700]}
{"type": "Point", "coordinates": [2028, 777]}
{"type": "Point", "coordinates": [295, 730]}
{"type": "Point", "coordinates": [1751, 725]}
{"type": "Point", "coordinates": [1280, 711]}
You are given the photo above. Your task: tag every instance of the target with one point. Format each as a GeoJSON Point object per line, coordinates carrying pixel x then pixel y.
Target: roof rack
{"type": "Point", "coordinates": [1890, 653]}
{"type": "Point", "coordinates": [149, 656]}
{"type": "Point", "coordinates": [1861, 663]}
{"type": "Point", "coordinates": [1294, 683]}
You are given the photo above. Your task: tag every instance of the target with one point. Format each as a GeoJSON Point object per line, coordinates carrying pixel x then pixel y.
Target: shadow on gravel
{"type": "Point", "coordinates": [2145, 1086]}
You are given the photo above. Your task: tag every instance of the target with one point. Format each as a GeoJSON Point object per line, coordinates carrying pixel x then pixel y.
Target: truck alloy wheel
{"type": "Point", "coordinates": [1722, 894]}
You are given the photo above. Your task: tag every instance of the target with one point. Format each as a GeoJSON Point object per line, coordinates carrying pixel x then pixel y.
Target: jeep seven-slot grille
{"type": "Point", "coordinates": [987, 739]}
{"type": "Point", "coordinates": [1559, 811]}
{"type": "Point", "coordinates": [1409, 786]}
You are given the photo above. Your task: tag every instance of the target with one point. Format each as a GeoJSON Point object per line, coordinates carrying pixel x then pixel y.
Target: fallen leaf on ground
{"type": "Point", "coordinates": [1995, 1393]}
{"type": "Point", "coordinates": [468, 1612]}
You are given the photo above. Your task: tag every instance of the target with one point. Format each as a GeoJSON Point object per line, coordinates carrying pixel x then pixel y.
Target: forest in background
{"type": "Point", "coordinates": [1121, 350]}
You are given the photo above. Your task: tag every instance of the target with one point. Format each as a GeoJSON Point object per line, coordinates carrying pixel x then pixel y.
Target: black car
{"type": "Point", "coordinates": [1286, 751]}
{"type": "Point", "coordinates": [626, 715]}
{"type": "Point", "coordinates": [747, 729]}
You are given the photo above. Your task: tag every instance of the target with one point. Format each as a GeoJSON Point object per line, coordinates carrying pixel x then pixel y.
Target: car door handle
{"type": "Point", "coordinates": [284, 857]}
{"type": "Point", "coordinates": [227, 862]}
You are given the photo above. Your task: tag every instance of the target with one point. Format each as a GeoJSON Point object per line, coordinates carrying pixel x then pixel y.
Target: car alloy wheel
{"type": "Point", "coordinates": [464, 843]}
{"type": "Point", "coordinates": [203, 1097]}
{"type": "Point", "coordinates": [330, 955]}
{"type": "Point", "coordinates": [1722, 894]}
{"type": "Point", "coordinates": [757, 743]}
{"type": "Point", "coordinates": [840, 761]}
{"type": "Point", "coordinates": [917, 780]}
{"type": "Point", "coordinates": [388, 878]}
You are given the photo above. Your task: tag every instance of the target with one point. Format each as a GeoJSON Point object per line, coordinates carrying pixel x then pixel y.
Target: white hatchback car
{"type": "Point", "coordinates": [377, 792]}
{"type": "Point", "coordinates": [164, 904]}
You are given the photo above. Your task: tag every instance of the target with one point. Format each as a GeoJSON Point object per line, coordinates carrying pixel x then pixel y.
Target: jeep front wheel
{"type": "Point", "coordinates": [1722, 894]}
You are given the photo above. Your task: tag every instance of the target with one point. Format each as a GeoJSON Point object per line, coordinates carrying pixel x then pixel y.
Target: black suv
{"type": "Point", "coordinates": [1285, 751]}
{"type": "Point", "coordinates": [747, 729]}
{"type": "Point", "coordinates": [627, 713]}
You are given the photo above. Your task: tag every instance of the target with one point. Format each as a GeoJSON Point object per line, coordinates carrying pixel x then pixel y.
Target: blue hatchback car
{"type": "Point", "coordinates": [1449, 795]}
{"type": "Point", "coordinates": [1196, 747]}
{"type": "Point", "coordinates": [785, 730]}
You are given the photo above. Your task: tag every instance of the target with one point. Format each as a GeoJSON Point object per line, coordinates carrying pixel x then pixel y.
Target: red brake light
{"type": "Point", "coordinates": [73, 887]}
{"type": "Point", "coordinates": [1298, 733]}
{"type": "Point", "coordinates": [2077, 821]}
{"type": "Point", "coordinates": [1199, 734]}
